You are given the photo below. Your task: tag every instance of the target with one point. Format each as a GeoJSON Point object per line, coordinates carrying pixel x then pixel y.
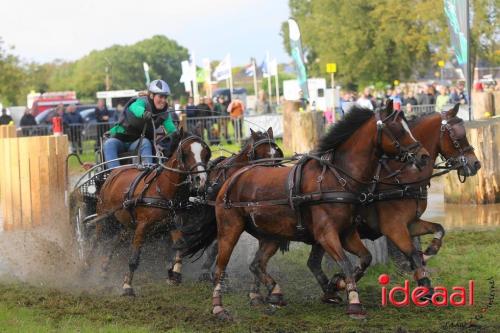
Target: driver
{"type": "Point", "coordinates": [140, 112]}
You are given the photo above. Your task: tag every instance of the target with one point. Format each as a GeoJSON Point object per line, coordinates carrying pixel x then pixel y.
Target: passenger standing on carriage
{"type": "Point", "coordinates": [138, 113]}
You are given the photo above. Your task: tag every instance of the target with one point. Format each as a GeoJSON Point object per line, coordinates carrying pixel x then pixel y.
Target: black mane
{"type": "Point", "coordinates": [343, 129]}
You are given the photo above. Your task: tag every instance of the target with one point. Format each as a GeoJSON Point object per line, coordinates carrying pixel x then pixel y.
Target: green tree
{"type": "Point", "coordinates": [383, 40]}
{"type": "Point", "coordinates": [11, 77]}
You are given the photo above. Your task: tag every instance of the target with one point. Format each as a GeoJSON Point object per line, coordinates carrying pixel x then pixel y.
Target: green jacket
{"type": "Point", "coordinates": [131, 123]}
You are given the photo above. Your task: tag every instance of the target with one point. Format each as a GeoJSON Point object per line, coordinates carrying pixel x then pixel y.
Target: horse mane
{"type": "Point", "coordinates": [342, 130]}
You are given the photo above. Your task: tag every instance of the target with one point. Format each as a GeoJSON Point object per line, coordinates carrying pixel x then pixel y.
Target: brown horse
{"type": "Point", "coordinates": [262, 200]}
{"type": "Point", "coordinates": [141, 197]}
{"type": "Point", "coordinates": [260, 146]}
{"type": "Point", "coordinates": [400, 203]}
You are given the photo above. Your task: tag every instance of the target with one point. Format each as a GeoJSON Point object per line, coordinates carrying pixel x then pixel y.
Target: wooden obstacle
{"type": "Point", "coordinates": [483, 188]}
{"type": "Point", "coordinates": [7, 131]}
{"type": "Point", "coordinates": [301, 130]}
{"type": "Point", "coordinates": [32, 181]}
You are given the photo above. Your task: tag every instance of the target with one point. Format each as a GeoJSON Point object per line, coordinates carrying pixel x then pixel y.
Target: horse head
{"type": "Point", "coordinates": [454, 146]}
{"type": "Point", "coordinates": [394, 137]}
{"type": "Point", "coordinates": [262, 145]}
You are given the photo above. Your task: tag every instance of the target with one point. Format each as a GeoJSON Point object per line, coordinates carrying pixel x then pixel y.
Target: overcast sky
{"type": "Point", "coordinates": [44, 30]}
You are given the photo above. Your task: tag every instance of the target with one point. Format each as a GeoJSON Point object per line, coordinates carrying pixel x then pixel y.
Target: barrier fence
{"type": "Point", "coordinates": [84, 138]}
{"type": "Point", "coordinates": [32, 181]}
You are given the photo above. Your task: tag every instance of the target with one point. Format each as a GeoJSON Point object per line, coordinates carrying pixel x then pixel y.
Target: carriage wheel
{"type": "Point", "coordinates": [82, 233]}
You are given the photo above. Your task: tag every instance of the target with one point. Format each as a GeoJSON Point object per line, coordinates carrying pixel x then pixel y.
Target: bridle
{"type": "Point", "coordinates": [448, 126]}
{"type": "Point", "coordinates": [405, 153]}
{"type": "Point", "coordinates": [257, 144]}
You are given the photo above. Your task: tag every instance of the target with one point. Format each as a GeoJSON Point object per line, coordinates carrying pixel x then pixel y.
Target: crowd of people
{"type": "Point", "coordinates": [407, 96]}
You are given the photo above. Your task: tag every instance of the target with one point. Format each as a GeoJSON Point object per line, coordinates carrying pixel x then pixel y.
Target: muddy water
{"type": "Point", "coordinates": [453, 216]}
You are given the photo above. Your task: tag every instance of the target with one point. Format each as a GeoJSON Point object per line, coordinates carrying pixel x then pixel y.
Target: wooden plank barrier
{"type": "Point", "coordinates": [32, 183]}
{"type": "Point", "coordinates": [483, 188]}
{"type": "Point", "coordinates": [7, 131]}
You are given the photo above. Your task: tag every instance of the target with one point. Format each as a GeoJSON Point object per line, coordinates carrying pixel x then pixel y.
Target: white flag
{"type": "Point", "coordinates": [223, 70]}
{"type": "Point", "coordinates": [186, 77]}
{"type": "Point", "coordinates": [273, 67]}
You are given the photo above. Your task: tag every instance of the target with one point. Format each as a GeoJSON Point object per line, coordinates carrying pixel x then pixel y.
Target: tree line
{"type": "Point", "coordinates": [88, 74]}
{"type": "Point", "coordinates": [379, 41]}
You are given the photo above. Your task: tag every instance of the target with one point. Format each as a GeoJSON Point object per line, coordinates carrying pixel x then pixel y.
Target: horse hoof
{"type": "Point", "coordinates": [257, 301]}
{"type": "Point", "coordinates": [205, 277]}
{"type": "Point", "coordinates": [356, 311]}
{"type": "Point", "coordinates": [223, 316]}
{"type": "Point", "coordinates": [331, 298]}
{"type": "Point", "coordinates": [276, 299]}
{"type": "Point", "coordinates": [428, 296]}
{"type": "Point", "coordinates": [129, 292]}
{"type": "Point", "coordinates": [174, 278]}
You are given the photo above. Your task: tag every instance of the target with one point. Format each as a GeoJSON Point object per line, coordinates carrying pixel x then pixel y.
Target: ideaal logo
{"type": "Point", "coordinates": [457, 296]}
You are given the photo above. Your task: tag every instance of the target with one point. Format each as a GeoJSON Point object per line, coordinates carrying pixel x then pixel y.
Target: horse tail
{"type": "Point", "coordinates": [199, 230]}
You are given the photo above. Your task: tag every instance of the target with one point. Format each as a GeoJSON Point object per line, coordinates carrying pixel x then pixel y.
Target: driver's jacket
{"type": "Point", "coordinates": [131, 122]}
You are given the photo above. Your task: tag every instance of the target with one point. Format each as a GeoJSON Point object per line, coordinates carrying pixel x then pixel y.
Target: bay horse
{"type": "Point", "coordinates": [397, 205]}
{"type": "Point", "coordinates": [262, 200]}
{"type": "Point", "coordinates": [140, 197]}
{"type": "Point", "coordinates": [259, 147]}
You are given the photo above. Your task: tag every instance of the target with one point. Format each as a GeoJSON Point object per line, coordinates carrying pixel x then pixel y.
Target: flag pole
{"type": "Point", "coordinates": [468, 75]}
{"type": "Point", "coordinates": [196, 96]}
{"type": "Point", "coordinates": [254, 78]}
{"type": "Point", "coordinates": [269, 88]}
{"type": "Point", "coordinates": [276, 82]}
{"type": "Point", "coordinates": [230, 77]}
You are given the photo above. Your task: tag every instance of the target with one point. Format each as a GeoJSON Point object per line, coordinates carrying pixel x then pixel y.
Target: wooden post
{"type": "Point", "coordinates": [35, 183]}
{"type": "Point", "coordinates": [25, 178]}
{"type": "Point", "coordinates": [483, 188]}
{"type": "Point", "coordinates": [15, 182]}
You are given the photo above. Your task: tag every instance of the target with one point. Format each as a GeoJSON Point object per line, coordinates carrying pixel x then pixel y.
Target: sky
{"type": "Point", "coordinates": [42, 31]}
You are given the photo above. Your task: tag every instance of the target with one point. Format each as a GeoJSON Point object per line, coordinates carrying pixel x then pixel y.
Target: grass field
{"type": "Point", "coordinates": [186, 308]}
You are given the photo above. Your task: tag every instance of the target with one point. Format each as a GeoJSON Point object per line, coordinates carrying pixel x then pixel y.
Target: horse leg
{"type": "Point", "coordinates": [115, 242]}
{"type": "Point", "coordinates": [228, 235]}
{"type": "Point", "coordinates": [399, 234]}
{"type": "Point", "coordinates": [174, 273]}
{"type": "Point", "coordinates": [352, 243]}
{"type": "Point", "coordinates": [267, 248]}
{"type": "Point", "coordinates": [134, 259]}
{"type": "Point", "coordinates": [330, 241]}
{"type": "Point", "coordinates": [314, 263]}
{"type": "Point", "coordinates": [422, 227]}
{"type": "Point", "coordinates": [206, 268]}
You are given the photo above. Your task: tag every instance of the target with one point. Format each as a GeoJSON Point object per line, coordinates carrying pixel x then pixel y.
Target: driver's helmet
{"type": "Point", "coordinates": [159, 87]}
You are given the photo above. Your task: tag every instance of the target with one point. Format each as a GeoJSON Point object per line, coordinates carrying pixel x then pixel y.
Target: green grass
{"type": "Point", "coordinates": [186, 308]}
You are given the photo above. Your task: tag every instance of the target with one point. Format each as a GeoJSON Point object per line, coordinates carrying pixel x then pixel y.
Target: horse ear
{"type": "Point", "coordinates": [252, 133]}
{"type": "Point", "coordinates": [452, 113]}
{"type": "Point", "coordinates": [270, 133]}
{"type": "Point", "coordinates": [389, 107]}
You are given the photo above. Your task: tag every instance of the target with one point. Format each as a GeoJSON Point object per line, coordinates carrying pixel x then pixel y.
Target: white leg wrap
{"type": "Point", "coordinates": [177, 267]}
{"type": "Point", "coordinates": [353, 297]}
{"type": "Point", "coordinates": [127, 286]}
{"type": "Point", "coordinates": [276, 289]}
{"type": "Point", "coordinates": [217, 309]}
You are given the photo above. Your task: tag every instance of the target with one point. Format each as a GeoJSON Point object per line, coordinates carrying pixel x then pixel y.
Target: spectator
{"type": "Point", "coordinates": [410, 99]}
{"type": "Point", "coordinates": [366, 99]}
{"type": "Point", "coordinates": [73, 121]}
{"type": "Point", "coordinates": [303, 101]}
{"type": "Point", "coordinates": [28, 120]}
{"type": "Point", "coordinates": [429, 97]}
{"type": "Point", "coordinates": [204, 111]}
{"type": "Point", "coordinates": [442, 99]}
{"type": "Point", "coordinates": [118, 112]}
{"type": "Point", "coordinates": [346, 102]}
{"type": "Point", "coordinates": [462, 97]}
{"type": "Point", "coordinates": [191, 109]}
{"type": "Point", "coordinates": [236, 110]}
{"type": "Point", "coordinates": [220, 109]}
{"type": "Point", "coordinates": [102, 116]}
{"type": "Point", "coordinates": [396, 98]}
{"type": "Point", "coordinates": [5, 119]}
{"type": "Point", "coordinates": [263, 105]}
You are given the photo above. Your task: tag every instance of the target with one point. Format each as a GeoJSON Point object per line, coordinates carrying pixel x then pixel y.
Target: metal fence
{"type": "Point", "coordinates": [85, 138]}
